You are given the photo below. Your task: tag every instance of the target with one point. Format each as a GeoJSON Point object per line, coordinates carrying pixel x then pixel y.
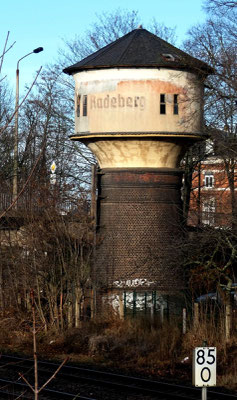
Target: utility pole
{"type": "Point", "coordinates": [15, 149]}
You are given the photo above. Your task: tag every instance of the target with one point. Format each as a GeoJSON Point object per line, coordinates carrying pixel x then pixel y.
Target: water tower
{"type": "Point", "coordinates": [138, 106]}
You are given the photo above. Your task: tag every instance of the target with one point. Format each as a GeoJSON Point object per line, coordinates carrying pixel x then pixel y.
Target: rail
{"type": "Point", "coordinates": [87, 383]}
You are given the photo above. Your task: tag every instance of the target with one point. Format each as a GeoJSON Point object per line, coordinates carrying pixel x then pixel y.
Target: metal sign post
{"type": "Point", "coordinates": [204, 368]}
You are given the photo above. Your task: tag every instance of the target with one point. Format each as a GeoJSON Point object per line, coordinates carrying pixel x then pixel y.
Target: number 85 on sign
{"type": "Point", "coordinates": [204, 366]}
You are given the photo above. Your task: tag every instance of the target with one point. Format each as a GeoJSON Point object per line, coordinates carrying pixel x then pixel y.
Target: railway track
{"type": "Point", "coordinates": [89, 384]}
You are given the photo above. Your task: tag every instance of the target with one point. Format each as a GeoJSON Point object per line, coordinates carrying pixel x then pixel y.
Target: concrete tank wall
{"type": "Point", "coordinates": [127, 100]}
{"type": "Point", "coordinates": [133, 153]}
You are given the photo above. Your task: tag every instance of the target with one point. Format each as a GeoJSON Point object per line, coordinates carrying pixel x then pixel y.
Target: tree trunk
{"type": "Point", "coordinates": [230, 170]}
{"type": "Point", "coordinates": [1, 288]}
{"type": "Point", "coordinates": [61, 311]}
{"type": "Point", "coordinates": [41, 313]}
{"type": "Point", "coordinates": [228, 316]}
{"type": "Point", "coordinates": [195, 316]}
{"type": "Point", "coordinates": [77, 306]}
{"type": "Point", "coordinates": [187, 186]}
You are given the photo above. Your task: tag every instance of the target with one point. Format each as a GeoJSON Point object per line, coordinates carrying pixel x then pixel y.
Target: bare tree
{"type": "Point", "coordinates": [51, 254]}
{"type": "Point", "coordinates": [109, 26]}
{"type": "Point", "coordinates": [210, 259]}
{"type": "Point", "coordinates": [215, 43]}
{"type": "Point", "coordinates": [220, 6]}
{"type": "Point", "coordinates": [52, 250]}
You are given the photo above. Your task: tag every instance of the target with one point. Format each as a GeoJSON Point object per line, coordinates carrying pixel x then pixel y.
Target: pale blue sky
{"type": "Point", "coordinates": [46, 22]}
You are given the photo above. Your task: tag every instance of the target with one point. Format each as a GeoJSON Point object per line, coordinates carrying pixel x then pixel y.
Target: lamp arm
{"type": "Point", "coordinates": [23, 57]}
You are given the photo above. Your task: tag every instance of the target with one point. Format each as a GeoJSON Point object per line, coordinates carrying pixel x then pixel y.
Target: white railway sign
{"type": "Point", "coordinates": [204, 366]}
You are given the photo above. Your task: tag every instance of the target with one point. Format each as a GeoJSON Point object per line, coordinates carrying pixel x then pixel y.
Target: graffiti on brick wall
{"type": "Point", "coordinates": [136, 301]}
{"type": "Point", "coordinates": [133, 283]}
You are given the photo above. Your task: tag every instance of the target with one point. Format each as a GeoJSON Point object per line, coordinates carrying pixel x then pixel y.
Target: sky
{"type": "Point", "coordinates": [46, 23]}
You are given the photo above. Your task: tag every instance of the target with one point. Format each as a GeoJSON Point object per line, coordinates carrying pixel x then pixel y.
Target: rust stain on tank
{"type": "Point", "coordinates": [155, 85]}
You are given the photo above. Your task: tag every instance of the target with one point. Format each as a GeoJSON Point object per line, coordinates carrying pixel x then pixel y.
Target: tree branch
{"type": "Point", "coordinates": [27, 94]}
{"type": "Point", "coordinates": [53, 376]}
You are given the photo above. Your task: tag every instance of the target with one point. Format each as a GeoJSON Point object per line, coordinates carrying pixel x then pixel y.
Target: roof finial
{"type": "Point", "coordinates": [139, 27]}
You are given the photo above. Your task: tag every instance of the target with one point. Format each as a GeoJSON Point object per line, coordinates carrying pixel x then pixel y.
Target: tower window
{"type": "Point", "coordinates": [162, 104]}
{"type": "Point", "coordinates": [84, 106]}
{"type": "Point", "coordinates": [78, 105]}
{"type": "Point", "coordinates": [176, 106]}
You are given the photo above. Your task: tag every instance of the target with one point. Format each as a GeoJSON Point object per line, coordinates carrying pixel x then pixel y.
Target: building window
{"type": "Point", "coordinates": [84, 106]}
{"type": "Point", "coordinates": [209, 181]}
{"type": "Point", "coordinates": [162, 104]}
{"type": "Point", "coordinates": [208, 211]}
{"type": "Point", "coordinates": [176, 107]}
{"type": "Point", "coordinates": [78, 105]}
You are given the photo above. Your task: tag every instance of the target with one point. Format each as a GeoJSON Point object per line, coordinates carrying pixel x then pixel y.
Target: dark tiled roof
{"type": "Point", "coordinates": [140, 48]}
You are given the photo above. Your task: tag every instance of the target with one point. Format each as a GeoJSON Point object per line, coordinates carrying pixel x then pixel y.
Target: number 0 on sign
{"type": "Point", "coordinates": [204, 366]}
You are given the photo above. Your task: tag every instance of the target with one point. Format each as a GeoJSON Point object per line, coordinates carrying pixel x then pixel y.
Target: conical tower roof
{"type": "Point", "coordinates": [140, 48]}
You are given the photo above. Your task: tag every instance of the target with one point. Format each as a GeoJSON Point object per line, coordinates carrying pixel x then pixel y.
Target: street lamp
{"type": "Point", "coordinates": [15, 151]}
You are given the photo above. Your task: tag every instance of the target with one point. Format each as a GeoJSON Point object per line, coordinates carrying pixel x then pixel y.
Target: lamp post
{"type": "Point", "coordinates": [15, 151]}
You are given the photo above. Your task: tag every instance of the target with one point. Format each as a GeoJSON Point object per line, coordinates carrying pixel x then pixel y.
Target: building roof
{"type": "Point", "coordinates": [140, 48]}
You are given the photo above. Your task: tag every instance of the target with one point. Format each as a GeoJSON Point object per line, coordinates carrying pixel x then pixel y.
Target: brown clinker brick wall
{"type": "Point", "coordinates": [139, 216]}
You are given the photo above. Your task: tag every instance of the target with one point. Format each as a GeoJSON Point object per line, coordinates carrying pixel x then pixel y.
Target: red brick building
{"type": "Point", "coordinates": [210, 202]}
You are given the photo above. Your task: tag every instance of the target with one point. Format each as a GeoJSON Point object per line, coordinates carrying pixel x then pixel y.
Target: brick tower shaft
{"type": "Point", "coordinates": [140, 213]}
